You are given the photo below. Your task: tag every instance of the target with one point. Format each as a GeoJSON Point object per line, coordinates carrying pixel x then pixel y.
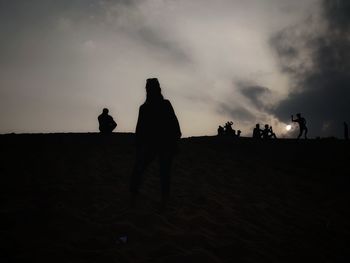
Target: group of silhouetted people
{"type": "Point", "coordinates": [228, 130]}
{"type": "Point", "coordinates": [158, 131]}
{"type": "Point", "coordinates": [266, 133]}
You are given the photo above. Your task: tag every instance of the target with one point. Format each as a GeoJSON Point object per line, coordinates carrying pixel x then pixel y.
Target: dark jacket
{"type": "Point", "coordinates": [157, 125]}
{"type": "Point", "coordinates": [106, 123]}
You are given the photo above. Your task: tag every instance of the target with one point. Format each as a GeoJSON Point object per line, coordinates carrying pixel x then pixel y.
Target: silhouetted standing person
{"type": "Point", "coordinates": [106, 122]}
{"type": "Point", "coordinates": [302, 125]}
{"type": "Point", "coordinates": [346, 131]}
{"type": "Point", "coordinates": [157, 134]}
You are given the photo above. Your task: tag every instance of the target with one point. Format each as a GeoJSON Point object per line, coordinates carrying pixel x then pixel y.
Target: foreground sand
{"type": "Point", "coordinates": [66, 200]}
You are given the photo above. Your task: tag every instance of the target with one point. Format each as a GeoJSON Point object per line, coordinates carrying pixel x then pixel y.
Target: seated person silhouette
{"type": "Point", "coordinates": [267, 132]}
{"type": "Point", "coordinates": [238, 135]}
{"type": "Point", "coordinates": [302, 125]}
{"type": "Point", "coordinates": [257, 132]}
{"type": "Point", "coordinates": [221, 130]}
{"type": "Point", "coordinates": [157, 134]}
{"type": "Point", "coordinates": [228, 128]}
{"type": "Point", "coordinates": [106, 122]}
{"type": "Point", "coordinates": [272, 134]}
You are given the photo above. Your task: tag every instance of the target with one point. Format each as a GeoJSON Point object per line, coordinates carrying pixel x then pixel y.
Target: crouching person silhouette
{"type": "Point", "coordinates": [157, 134]}
{"type": "Point", "coordinates": [106, 122]}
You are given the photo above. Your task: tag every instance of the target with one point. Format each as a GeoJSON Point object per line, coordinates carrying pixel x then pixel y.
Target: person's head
{"type": "Point", "coordinates": [266, 126]}
{"type": "Point", "coordinates": [257, 125]}
{"type": "Point", "coordinates": [298, 115]}
{"type": "Point", "coordinates": [154, 92]}
{"type": "Point", "coordinates": [105, 111]}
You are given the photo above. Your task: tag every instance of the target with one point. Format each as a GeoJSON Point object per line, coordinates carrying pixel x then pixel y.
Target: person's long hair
{"type": "Point", "coordinates": [153, 90]}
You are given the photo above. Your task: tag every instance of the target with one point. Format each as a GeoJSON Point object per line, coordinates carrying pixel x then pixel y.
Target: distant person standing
{"type": "Point", "coordinates": [106, 122]}
{"type": "Point", "coordinates": [302, 125]}
{"type": "Point", "coordinates": [157, 134]}
{"type": "Point", "coordinates": [346, 131]}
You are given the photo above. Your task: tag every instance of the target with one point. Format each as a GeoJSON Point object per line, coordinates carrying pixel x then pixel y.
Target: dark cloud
{"type": "Point", "coordinates": [245, 112]}
{"type": "Point", "coordinates": [256, 94]}
{"type": "Point", "coordinates": [318, 63]}
{"type": "Point", "coordinates": [236, 113]}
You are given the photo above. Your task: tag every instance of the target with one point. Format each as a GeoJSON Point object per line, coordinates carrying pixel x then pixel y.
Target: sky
{"type": "Point", "coordinates": [252, 61]}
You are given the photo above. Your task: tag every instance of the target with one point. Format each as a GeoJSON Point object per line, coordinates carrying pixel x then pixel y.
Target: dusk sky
{"type": "Point", "coordinates": [252, 61]}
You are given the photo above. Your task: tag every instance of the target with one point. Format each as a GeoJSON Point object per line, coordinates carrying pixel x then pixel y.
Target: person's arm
{"type": "Point", "coordinates": [293, 118]}
{"type": "Point", "coordinates": [111, 122]}
{"type": "Point", "coordinates": [114, 123]}
{"type": "Point", "coordinates": [174, 121]}
{"type": "Point", "coordinates": [139, 132]}
{"type": "Point", "coordinates": [99, 122]}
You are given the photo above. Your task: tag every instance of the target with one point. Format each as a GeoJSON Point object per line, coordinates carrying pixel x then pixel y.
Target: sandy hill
{"type": "Point", "coordinates": [66, 200]}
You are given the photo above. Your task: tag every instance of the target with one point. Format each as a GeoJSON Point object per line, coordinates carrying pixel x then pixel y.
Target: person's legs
{"type": "Point", "coordinates": [143, 158]}
{"type": "Point", "coordinates": [103, 130]}
{"type": "Point", "coordinates": [106, 130]}
{"type": "Point", "coordinates": [300, 132]}
{"type": "Point", "coordinates": [113, 126]}
{"type": "Point", "coordinates": [165, 163]}
{"type": "Point", "coordinates": [109, 129]}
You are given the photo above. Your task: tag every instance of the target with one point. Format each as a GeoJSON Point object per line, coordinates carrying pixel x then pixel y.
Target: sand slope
{"type": "Point", "coordinates": [66, 200]}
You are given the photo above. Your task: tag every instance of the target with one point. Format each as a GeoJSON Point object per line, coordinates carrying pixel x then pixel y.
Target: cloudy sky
{"type": "Point", "coordinates": [248, 61]}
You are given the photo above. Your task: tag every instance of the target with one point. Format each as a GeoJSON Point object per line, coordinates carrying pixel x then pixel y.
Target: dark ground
{"type": "Point", "coordinates": [66, 200]}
